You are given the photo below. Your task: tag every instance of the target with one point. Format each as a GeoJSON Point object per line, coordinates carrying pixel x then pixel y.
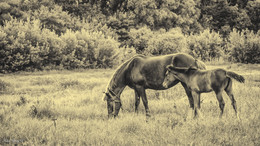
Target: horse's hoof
{"type": "Point", "coordinates": [148, 115]}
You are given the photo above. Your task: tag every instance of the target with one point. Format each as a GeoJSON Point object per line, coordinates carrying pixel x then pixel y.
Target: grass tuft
{"type": "Point", "coordinates": [5, 87]}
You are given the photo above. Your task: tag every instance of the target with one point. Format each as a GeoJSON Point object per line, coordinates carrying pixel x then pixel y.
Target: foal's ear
{"type": "Point", "coordinates": [169, 67]}
{"type": "Point", "coordinates": [194, 66]}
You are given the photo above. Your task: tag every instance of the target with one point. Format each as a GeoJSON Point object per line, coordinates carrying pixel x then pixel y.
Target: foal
{"type": "Point", "coordinates": [202, 81]}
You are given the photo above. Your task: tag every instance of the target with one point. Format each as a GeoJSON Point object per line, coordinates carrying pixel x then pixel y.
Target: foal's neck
{"type": "Point", "coordinates": [193, 74]}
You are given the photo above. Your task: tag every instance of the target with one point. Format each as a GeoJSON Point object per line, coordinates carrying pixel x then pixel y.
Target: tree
{"type": "Point", "coordinates": [253, 11]}
{"type": "Point", "coordinates": [222, 17]}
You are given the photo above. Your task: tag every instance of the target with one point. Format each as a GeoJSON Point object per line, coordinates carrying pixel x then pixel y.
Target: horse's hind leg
{"type": "Point", "coordinates": [230, 94]}
{"type": "Point", "coordinates": [141, 92]}
{"type": "Point", "coordinates": [137, 101]}
{"type": "Point", "coordinates": [221, 102]}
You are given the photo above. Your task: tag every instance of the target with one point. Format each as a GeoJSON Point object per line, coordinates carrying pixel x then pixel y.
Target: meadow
{"type": "Point", "coordinates": [67, 108]}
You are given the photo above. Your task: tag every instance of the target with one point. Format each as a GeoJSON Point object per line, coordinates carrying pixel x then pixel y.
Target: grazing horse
{"type": "Point", "coordinates": [140, 73]}
{"type": "Point", "coordinates": [201, 81]}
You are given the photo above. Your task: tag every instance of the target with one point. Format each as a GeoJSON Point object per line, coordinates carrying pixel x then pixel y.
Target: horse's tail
{"type": "Point", "coordinates": [236, 76]}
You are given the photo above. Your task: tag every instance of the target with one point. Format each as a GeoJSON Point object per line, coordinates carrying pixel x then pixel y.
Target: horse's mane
{"type": "Point", "coordinates": [119, 70]}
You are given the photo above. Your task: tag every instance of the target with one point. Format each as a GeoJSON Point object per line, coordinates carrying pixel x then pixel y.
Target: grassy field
{"type": "Point", "coordinates": [66, 108]}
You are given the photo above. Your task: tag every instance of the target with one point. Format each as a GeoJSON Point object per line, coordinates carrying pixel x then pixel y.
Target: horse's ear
{"type": "Point", "coordinates": [105, 98]}
{"type": "Point", "coordinates": [169, 67]}
{"type": "Point", "coordinates": [195, 66]}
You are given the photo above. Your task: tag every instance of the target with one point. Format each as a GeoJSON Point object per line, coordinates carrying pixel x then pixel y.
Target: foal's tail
{"type": "Point", "coordinates": [236, 76]}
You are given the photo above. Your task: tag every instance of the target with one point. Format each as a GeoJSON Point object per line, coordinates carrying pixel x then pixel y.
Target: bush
{"type": "Point", "coordinates": [244, 46]}
{"type": "Point", "coordinates": [139, 38]}
{"type": "Point", "coordinates": [206, 45]}
{"type": "Point", "coordinates": [4, 86]}
{"type": "Point", "coordinates": [24, 45]}
{"type": "Point", "coordinates": [169, 42]}
{"type": "Point", "coordinates": [84, 49]}
{"type": "Point", "coordinates": [158, 42]}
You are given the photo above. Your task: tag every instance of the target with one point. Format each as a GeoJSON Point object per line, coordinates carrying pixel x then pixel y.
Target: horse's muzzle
{"type": "Point", "coordinates": [165, 85]}
{"type": "Point", "coordinates": [114, 109]}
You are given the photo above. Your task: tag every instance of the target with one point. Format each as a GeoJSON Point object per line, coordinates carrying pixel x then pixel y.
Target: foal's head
{"type": "Point", "coordinates": [174, 73]}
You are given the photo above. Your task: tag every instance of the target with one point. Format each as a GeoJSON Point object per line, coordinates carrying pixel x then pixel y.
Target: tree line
{"type": "Point", "coordinates": [58, 34]}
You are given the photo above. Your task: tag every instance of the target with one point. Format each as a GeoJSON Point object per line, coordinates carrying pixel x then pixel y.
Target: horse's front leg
{"type": "Point", "coordinates": [141, 92]}
{"type": "Point", "coordinates": [188, 92]}
{"type": "Point", "coordinates": [137, 101]}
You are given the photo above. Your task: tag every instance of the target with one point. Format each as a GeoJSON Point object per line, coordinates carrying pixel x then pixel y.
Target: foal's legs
{"type": "Point", "coordinates": [196, 98]}
{"type": "Point", "coordinates": [221, 102]}
{"type": "Point", "coordinates": [230, 94]}
{"type": "Point", "coordinates": [141, 92]}
{"type": "Point", "coordinates": [137, 101]}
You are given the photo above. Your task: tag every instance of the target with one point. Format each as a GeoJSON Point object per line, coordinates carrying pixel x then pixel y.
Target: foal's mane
{"type": "Point", "coordinates": [120, 70]}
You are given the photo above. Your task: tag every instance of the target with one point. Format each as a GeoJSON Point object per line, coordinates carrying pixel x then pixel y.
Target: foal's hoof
{"type": "Point", "coordinates": [148, 117]}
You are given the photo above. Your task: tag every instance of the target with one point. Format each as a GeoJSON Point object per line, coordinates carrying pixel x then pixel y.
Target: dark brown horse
{"type": "Point", "coordinates": [140, 73]}
{"type": "Point", "coordinates": [201, 81]}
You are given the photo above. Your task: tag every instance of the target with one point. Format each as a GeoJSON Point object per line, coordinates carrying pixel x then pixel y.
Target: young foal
{"type": "Point", "coordinates": [202, 81]}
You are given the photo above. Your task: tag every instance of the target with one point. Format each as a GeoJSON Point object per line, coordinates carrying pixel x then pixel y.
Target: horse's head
{"type": "Point", "coordinates": [185, 62]}
{"type": "Point", "coordinates": [113, 103]}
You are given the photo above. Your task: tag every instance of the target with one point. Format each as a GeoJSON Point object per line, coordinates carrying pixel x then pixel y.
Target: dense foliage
{"type": "Point", "coordinates": [57, 34]}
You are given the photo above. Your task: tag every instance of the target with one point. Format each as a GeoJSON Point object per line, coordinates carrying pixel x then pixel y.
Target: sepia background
{"type": "Point", "coordinates": [57, 56]}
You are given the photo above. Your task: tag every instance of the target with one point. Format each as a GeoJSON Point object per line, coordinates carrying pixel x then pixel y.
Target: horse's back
{"type": "Point", "coordinates": [149, 71]}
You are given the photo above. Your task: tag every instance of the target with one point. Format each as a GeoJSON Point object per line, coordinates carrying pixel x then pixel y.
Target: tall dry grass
{"type": "Point", "coordinates": [66, 108]}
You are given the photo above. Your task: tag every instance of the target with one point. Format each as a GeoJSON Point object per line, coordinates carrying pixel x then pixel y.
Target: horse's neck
{"type": "Point", "coordinates": [118, 89]}
{"type": "Point", "coordinates": [117, 85]}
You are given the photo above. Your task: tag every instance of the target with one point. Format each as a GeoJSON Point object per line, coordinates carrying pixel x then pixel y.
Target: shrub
{"type": "Point", "coordinates": [73, 53]}
{"type": "Point", "coordinates": [158, 42]}
{"type": "Point", "coordinates": [24, 45]}
{"type": "Point", "coordinates": [88, 50]}
{"type": "Point", "coordinates": [244, 46]}
{"type": "Point", "coordinates": [4, 86]}
{"type": "Point", "coordinates": [139, 38]}
{"type": "Point", "coordinates": [206, 45]}
{"type": "Point", "coordinates": [169, 42]}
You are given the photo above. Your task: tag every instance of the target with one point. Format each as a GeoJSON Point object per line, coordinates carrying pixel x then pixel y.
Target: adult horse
{"type": "Point", "coordinates": [140, 73]}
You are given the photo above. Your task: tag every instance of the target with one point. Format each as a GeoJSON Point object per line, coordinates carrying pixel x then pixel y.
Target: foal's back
{"type": "Point", "coordinates": [209, 80]}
